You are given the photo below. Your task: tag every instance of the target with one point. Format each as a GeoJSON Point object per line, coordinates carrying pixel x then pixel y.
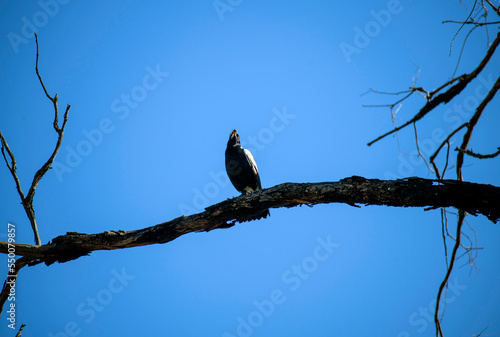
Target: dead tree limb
{"type": "Point", "coordinates": [27, 201]}
{"type": "Point", "coordinates": [412, 192]}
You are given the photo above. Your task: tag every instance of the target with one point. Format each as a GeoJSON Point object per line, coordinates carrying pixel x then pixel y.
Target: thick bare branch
{"type": "Point", "coordinates": [496, 9]}
{"type": "Point", "coordinates": [471, 124]}
{"type": "Point", "coordinates": [411, 192]}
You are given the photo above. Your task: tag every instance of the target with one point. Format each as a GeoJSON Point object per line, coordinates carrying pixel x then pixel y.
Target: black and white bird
{"type": "Point", "coordinates": [242, 169]}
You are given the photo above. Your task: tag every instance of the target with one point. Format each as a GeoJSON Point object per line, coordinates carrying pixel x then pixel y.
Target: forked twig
{"type": "Point", "coordinates": [27, 201]}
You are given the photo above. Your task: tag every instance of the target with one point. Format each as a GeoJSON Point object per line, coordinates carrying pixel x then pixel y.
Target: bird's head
{"type": "Point", "coordinates": [234, 138]}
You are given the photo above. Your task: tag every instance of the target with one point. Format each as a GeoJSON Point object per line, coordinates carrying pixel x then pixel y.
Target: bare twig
{"type": "Point", "coordinates": [386, 92]}
{"type": "Point", "coordinates": [13, 164]}
{"type": "Point", "coordinates": [447, 159]}
{"type": "Point", "coordinates": [463, 24]}
{"type": "Point", "coordinates": [481, 333]}
{"type": "Point", "coordinates": [444, 225]}
{"type": "Point", "coordinates": [462, 50]}
{"type": "Point", "coordinates": [418, 148]}
{"type": "Point", "coordinates": [20, 330]}
{"type": "Point", "coordinates": [476, 23]}
{"type": "Point", "coordinates": [408, 92]}
{"type": "Point", "coordinates": [478, 155]}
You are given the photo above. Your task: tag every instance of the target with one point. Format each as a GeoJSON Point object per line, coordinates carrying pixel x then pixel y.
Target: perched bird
{"type": "Point", "coordinates": [242, 169]}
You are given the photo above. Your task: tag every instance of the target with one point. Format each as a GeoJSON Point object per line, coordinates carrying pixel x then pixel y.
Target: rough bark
{"type": "Point", "coordinates": [411, 192]}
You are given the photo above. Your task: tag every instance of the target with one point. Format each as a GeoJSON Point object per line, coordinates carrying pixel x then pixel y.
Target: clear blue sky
{"type": "Point", "coordinates": [155, 89]}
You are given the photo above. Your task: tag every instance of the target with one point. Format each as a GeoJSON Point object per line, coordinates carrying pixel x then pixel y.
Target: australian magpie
{"type": "Point", "coordinates": [242, 169]}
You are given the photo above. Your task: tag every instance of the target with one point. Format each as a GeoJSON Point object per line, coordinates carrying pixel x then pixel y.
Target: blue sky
{"type": "Point", "coordinates": [155, 89]}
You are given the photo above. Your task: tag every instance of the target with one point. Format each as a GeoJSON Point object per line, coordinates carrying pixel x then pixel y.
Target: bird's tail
{"type": "Point", "coordinates": [250, 216]}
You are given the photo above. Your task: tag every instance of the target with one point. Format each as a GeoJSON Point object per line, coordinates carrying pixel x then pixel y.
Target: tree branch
{"type": "Point", "coordinates": [445, 97]}
{"type": "Point", "coordinates": [461, 217]}
{"type": "Point", "coordinates": [446, 141]}
{"type": "Point", "coordinates": [12, 166]}
{"type": "Point", "coordinates": [478, 155]}
{"type": "Point", "coordinates": [412, 192]}
{"type": "Point", "coordinates": [27, 201]}
{"type": "Point", "coordinates": [20, 330]}
{"type": "Point", "coordinates": [476, 23]}
{"type": "Point", "coordinates": [12, 277]}
{"type": "Point", "coordinates": [496, 9]}
{"type": "Point", "coordinates": [471, 124]}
